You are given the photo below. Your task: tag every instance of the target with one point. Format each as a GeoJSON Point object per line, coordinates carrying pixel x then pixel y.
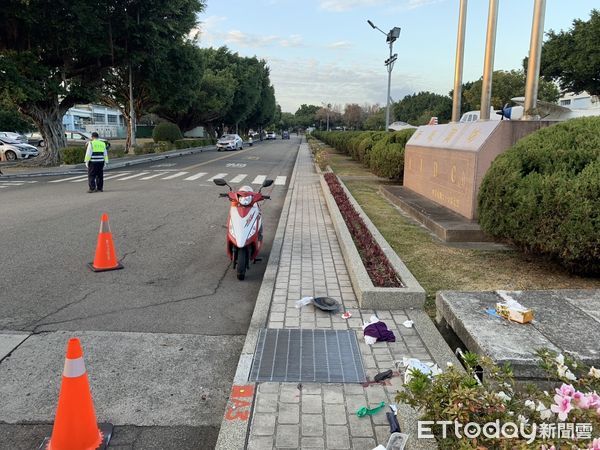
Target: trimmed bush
{"type": "Point", "coordinates": [166, 131]}
{"type": "Point", "coordinates": [543, 194]}
{"type": "Point", "coordinates": [116, 151]}
{"type": "Point", "coordinates": [387, 155]}
{"type": "Point", "coordinates": [72, 155]}
{"type": "Point", "coordinates": [193, 143]}
{"type": "Point", "coordinates": [163, 146]}
{"type": "Point", "coordinates": [144, 149]}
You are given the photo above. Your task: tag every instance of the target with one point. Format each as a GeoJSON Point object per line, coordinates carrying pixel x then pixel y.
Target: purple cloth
{"type": "Point", "coordinates": [379, 331]}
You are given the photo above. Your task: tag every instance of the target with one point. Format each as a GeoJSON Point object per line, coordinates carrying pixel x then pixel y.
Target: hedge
{"type": "Point", "coordinates": [191, 143]}
{"type": "Point", "coordinates": [72, 155]}
{"type": "Point", "coordinates": [543, 194]}
{"type": "Point", "coordinates": [382, 152]}
{"type": "Point", "coordinates": [166, 131]}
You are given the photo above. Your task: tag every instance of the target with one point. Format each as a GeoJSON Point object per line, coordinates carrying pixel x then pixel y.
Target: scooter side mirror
{"type": "Point", "coordinates": [267, 183]}
{"type": "Point", "coordinates": [220, 182]}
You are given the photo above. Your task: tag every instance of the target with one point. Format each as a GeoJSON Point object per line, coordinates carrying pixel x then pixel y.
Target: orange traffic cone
{"type": "Point", "coordinates": [106, 258]}
{"type": "Point", "coordinates": [75, 426]}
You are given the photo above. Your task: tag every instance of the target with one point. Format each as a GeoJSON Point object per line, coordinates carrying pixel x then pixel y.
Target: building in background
{"type": "Point", "coordinates": [107, 122]}
{"type": "Point", "coordinates": [579, 101]}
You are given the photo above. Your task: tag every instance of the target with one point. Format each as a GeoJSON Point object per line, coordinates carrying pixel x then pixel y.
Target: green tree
{"type": "Point", "coordinates": [306, 115]}
{"type": "Point", "coordinates": [506, 85]}
{"type": "Point", "coordinates": [572, 58]}
{"type": "Point", "coordinates": [56, 54]}
{"type": "Point", "coordinates": [12, 120]}
{"type": "Point", "coordinates": [417, 109]}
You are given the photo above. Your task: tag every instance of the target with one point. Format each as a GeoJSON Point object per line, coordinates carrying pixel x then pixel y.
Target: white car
{"type": "Point", "coordinates": [11, 150]}
{"type": "Point", "coordinates": [230, 142]}
{"type": "Point", "coordinates": [14, 136]}
{"type": "Point", "coordinates": [271, 135]}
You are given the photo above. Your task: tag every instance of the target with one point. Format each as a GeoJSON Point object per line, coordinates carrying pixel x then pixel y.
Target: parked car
{"type": "Point", "coordinates": [79, 138]}
{"type": "Point", "coordinates": [271, 135]}
{"type": "Point", "coordinates": [14, 136]}
{"type": "Point", "coordinates": [285, 135]}
{"type": "Point", "coordinates": [35, 139]}
{"type": "Point", "coordinates": [11, 150]}
{"type": "Point", "coordinates": [229, 142]}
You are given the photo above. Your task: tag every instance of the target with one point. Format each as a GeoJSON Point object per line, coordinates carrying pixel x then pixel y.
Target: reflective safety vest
{"type": "Point", "coordinates": [98, 148]}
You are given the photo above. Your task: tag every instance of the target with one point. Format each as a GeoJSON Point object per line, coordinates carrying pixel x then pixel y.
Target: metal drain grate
{"type": "Point", "coordinates": [324, 356]}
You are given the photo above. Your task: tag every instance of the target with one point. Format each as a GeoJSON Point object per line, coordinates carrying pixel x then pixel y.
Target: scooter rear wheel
{"type": "Point", "coordinates": [242, 263]}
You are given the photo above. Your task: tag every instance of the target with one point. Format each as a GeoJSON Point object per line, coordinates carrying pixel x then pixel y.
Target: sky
{"type": "Point", "coordinates": [323, 51]}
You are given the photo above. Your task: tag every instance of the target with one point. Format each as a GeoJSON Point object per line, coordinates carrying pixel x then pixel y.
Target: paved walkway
{"type": "Point", "coordinates": [292, 415]}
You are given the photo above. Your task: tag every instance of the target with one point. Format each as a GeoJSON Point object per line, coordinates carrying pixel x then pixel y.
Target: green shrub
{"type": "Point", "coordinates": [543, 194]}
{"type": "Point", "coordinates": [72, 155]}
{"type": "Point", "coordinates": [166, 131]}
{"type": "Point", "coordinates": [144, 149]}
{"type": "Point", "coordinates": [163, 146]}
{"type": "Point", "coordinates": [116, 151]}
{"type": "Point", "coordinates": [387, 155]}
{"type": "Point", "coordinates": [193, 143]}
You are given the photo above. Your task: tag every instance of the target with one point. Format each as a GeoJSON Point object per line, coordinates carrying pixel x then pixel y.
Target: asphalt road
{"type": "Point", "coordinates": [162, 337]}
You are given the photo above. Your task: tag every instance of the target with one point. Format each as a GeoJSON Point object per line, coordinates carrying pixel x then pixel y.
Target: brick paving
{"type": "Point", "coordinates": [322, 415]}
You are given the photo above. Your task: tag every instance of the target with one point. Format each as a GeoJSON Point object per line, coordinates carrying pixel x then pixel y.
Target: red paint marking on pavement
{"type": "Point", "coordinates": [240, 402]}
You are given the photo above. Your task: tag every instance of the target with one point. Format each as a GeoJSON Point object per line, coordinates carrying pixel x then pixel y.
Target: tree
{"type": "Point", "coordinates": [306, 115]}
{"type": "Point", "coordinates": [12, 120]}
{"type": "Point", "coordinates": [506, 85]}
{"type": "Point", "coordinates": [56, 54]}
{"type": "Point", "coordinates": [288, 120]}
{"type": "Point", "coordinates": [354, 116]}
{"type": "Point", "coordinates": [417, 109]}
{"type": "Point", "coordinates": [572, 58]}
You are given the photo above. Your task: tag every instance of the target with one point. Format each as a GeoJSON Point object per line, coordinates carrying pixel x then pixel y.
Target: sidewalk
{"type": "Point", "coordinates": [323, 415]}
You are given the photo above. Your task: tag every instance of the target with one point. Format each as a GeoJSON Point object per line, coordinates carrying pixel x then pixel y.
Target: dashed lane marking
{"type": "Point", "coordinates": [149, 177]}
{"type": "Point", "coordinates": [280, 180]}
{"type": "Point", "coordinates": [259, 179]}
{"type": "Point", "coordinates": [195, 177]}
{"type": "Point", "coordinates": [175, 175]}
{"type": "Point", "coordinates": [135, 175]}
{"type": "Point", "coordinates": [219, 175]}
{"type": "Point", "coordinates": [239, 178]}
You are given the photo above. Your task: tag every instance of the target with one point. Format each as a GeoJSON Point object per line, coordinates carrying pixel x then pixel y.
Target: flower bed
{"type": "Point", "coordinates": [375, 261]}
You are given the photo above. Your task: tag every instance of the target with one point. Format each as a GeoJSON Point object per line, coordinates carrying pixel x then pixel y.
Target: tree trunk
{"type": "Point", "coordinates": [48, 119]}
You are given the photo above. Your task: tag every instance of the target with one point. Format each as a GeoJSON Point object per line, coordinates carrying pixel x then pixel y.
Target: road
{"type": "Point", "coordinates": [161, 337]}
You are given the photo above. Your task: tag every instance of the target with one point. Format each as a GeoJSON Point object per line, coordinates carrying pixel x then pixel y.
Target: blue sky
{"type": "Point", "coordinates": [323, 51]}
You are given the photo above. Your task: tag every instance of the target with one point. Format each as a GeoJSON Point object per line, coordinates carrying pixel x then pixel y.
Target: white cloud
{"type": "Point", "coordinates": [340, 45]}
{"type": "Point", "coordinates": [345, 5]}
{"type": "Point", "coordinates": [295, 40]}
{"type": "Point", "coordinates": [312, 82]}
{"type": "Point", "coordinates": [242, 39]}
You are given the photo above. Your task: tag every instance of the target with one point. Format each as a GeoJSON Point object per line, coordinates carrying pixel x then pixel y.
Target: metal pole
{"type": "Point", "coordinates": [488, 64]}
{"type": "Point", "coordinates": [133, 142]}
{"type": "Point", "coordinates": [458, 66]}
{"type": "Point", "coordinates": [535, 53]}
{"type": "Point", "coordinates": [387, 108]}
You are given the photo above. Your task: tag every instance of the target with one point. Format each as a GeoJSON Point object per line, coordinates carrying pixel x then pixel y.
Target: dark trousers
{"type": "Point", "coordinates": [96, 175]}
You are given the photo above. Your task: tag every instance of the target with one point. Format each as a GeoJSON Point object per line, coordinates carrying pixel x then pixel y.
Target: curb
{"type": "Point", "coordinates": [76, 168]}
{"type": "Point", "coordinates": [235, 425]}
{"type": "Point", "coordinates": [369, 296]}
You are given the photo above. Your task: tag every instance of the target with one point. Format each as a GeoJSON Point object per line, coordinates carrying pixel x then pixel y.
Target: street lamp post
{"type": "Point", "coordinates": [390, 37]}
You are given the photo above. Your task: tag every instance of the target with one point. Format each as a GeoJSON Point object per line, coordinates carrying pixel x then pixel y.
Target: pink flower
{"type": "Point", "coordinates": [545, 447]}
{"type": "Point", "coordinates": [593, 400]}
{"type": "Point", "coordinates": [562, 407]}
{"type": "Point", "coordinates": [566, 390]}
{"type": "Point", "coordinates": [595, 445]}
{"type": "Point", "coordinates": [581, 400]}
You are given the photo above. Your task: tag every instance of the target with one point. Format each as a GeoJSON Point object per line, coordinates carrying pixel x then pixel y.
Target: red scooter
{"type": "Point", "coordinates": [244, 225]}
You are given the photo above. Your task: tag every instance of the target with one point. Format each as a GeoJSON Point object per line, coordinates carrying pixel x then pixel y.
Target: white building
{"type": "Point", "coordinates": [580, 101]}
{"type": "Point", "coordinates": [107, 122]}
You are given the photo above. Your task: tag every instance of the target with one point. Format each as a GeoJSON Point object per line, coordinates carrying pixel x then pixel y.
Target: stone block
{"type": "Point", "coordinates": [335, 414]}
{"type": "Point", "coordinates": [312, 425]}
{"type": "Point", "coordinates": [337, 437]}
{"type": "Point", "coordinates": [287, 436]}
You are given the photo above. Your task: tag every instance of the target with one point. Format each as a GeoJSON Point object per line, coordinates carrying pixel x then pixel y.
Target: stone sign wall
{"type": "Point", "coordinates": [446, 163]}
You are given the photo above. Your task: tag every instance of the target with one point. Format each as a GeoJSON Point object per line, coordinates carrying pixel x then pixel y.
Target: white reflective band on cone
{"type": "Point", "coordinates": [74, 368]}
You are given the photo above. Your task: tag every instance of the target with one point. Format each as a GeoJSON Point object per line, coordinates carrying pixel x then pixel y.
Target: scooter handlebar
{"type": "Point", "coordinates": [223, 195]}
{"type": "Point", "coordinates": [267, 197]}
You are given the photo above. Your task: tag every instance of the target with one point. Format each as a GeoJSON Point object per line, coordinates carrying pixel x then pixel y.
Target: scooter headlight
{"type": "Point", "coordinates": [244, 200]}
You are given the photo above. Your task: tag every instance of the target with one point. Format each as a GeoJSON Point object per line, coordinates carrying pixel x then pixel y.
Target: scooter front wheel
{"type": "Point", "coordinates": [242, 263]}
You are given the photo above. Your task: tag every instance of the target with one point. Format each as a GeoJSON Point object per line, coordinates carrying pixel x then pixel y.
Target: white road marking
{"type": "Point", "coordinates": [239, 178]}
{"type": "Point", "coordinates": [175, 175]}
{"type": "Point", "coordinates": [195, 177]}
{"type": "Point", "coordinates": [118, 175]}
{"type": "Point", "coordinates": [68, 179]}
{"type": "Point", "coordinates": [134, 176]}
{"type": "Point", "coordinates": [219, 175]}
{"type": "Point", "coordinates": [259, 179]}
{"type": "Point", "coordinates": [153, 176]}
{"type": "Point", "coordinates": [280, 180]}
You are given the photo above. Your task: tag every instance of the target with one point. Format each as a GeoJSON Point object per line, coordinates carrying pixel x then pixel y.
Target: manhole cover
{"type": "Point", "coordinates": [324, 356]}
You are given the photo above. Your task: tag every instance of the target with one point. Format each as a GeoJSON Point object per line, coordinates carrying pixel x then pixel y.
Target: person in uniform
{"type": "Point", "coordinates": [96, 157]}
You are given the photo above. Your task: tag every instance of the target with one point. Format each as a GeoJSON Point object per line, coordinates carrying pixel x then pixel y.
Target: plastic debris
{"type": "Point", "coordinates": [408, 323]}
{"type": "Point", "coordinates": [364, 411]}
{"type": "Point", "coordinates": [411, 364]}
{"type": "Point", "coordinates": [304, 301]}
{"type": "Point", "coordinates": [512, 310]}
{"type": "Point", "coordinates": [346, 315]}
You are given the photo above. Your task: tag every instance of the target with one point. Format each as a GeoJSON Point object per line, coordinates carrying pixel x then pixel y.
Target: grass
{"type": "Point", "coordinates": [438, 266]}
